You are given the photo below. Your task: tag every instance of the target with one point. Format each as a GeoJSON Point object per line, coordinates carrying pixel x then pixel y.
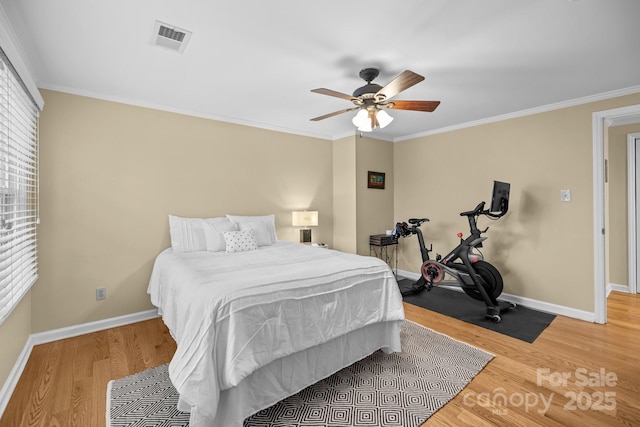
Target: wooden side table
{"type": "Point", "coordinates": [384, 247]}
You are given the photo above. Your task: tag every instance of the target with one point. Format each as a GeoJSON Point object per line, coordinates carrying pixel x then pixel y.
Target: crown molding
{"type": "Point", "coordinates": [160, 107]}
{"type": "Point", "coordinates": [528, 112]}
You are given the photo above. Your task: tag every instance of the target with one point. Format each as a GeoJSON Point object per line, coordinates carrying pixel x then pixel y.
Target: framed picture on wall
{"type": "Point", "coordinates": [375, 180]}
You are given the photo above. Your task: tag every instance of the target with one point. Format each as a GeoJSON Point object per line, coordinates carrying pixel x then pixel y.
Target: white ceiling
{"type": "Point", "coordinates": [254, 62]}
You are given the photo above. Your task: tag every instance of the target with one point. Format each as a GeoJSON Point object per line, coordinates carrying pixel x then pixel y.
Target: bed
{"type": "Point", "coordinates": [253, 326]}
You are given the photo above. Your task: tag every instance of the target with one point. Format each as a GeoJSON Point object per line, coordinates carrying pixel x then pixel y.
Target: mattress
{"type": "Point", "coordinates": [254, 327]}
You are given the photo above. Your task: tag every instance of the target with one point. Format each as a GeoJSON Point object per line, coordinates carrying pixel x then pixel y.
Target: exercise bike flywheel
{"type": "Point", "coordinates": [432, 272]}
{"type": "Point", "coordinates": [492, 279]}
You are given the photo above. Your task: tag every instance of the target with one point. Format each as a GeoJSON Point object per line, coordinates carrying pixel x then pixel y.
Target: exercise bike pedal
{"type": "Point", "coordinates": [493, 314]}
{"type": "Point", "coordinates": [506, 306]}
{"type": "Point", "coordinates": [417, 287]}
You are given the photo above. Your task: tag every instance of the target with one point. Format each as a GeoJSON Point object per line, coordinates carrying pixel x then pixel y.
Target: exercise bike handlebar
{"type": "Point", "coordinates": [417, 221]}
{"type": "Point", "coordinates": [402, 229]}
{"type": "Point", "coordinates": [479, 210]}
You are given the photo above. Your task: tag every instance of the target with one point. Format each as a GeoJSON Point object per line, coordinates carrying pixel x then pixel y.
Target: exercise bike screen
{"type": "Point", "coordinates": [500, 196]}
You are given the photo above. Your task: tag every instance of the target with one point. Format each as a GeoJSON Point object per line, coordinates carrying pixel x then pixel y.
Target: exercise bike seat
{"type": "Point", "coordinates": [476, 211]}
{"type": "Point", "coordinates": [417, 221]}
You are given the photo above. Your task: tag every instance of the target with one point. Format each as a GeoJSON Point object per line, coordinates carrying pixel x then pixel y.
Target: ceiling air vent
{"type": "Point", "coordinates": [170, 37]}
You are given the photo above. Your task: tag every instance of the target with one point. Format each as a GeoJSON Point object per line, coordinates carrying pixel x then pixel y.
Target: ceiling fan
{"type": "Point", "coordinates": [372, 99]}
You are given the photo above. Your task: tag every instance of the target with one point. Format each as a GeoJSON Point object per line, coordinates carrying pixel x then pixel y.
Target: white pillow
{"type": "Point", "coordinates": [240, 241]}
{"type": "Point", "coordinates": [187, 234]}
{"type": "Point", "coordinates": [262, 231]}
{"type": "Point", "coordinates": [213, 235]}
{"type": "Point", "coordinates": [269, 220]}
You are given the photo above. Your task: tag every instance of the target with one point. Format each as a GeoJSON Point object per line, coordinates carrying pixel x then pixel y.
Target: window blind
{"type": "Point", "coordinates": [18, 189]}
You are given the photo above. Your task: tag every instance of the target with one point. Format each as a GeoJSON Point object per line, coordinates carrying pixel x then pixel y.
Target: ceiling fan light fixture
{"type": "Point", "coordinates": [361, 121]}
{"type": "Point", "coordinates": [383, 118]}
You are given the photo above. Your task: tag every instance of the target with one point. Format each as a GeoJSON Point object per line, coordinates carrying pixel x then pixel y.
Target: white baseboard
{"type": "Point", "coordinates": [14, 375]}
{"type": "Point", "coordinates": [617, 287]}
{"type": "Point", "coordinates": [59, 334]}
{"type": "Point", "coordinates": [86, 328]}
{"type": "Point", "coordinates": [525, 302]}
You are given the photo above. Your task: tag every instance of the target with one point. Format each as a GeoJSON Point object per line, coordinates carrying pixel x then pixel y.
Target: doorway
{"type": "Point", "coordinates": [601, 120]}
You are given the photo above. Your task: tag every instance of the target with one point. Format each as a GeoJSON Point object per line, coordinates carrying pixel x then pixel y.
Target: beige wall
{"type": "Point", "coordinates": [345, 236]}
{"type": "Point", "coordinates": [617, 238]}
{"type": "Point", "coordinates": [360, 211]}
{"type": "Point", "coordinates": [375, 206]}
{"type": "Point", "coordinates": [543, 247]}
{"type": "Point", "coordinates": [14, 333]}
{"type": "Point", "coordinates": [110, 175]}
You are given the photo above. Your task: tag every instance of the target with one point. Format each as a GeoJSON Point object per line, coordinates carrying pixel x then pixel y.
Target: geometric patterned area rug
{"type": "Point", "coordinates": [397, 389]}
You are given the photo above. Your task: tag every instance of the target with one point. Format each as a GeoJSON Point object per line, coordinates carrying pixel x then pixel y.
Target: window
{"type": "Point", "coordinates": [18, 188]}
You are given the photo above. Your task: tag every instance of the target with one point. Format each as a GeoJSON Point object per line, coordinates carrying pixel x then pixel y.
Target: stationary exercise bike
{"type": "Point", "coordinates": [478, 279]}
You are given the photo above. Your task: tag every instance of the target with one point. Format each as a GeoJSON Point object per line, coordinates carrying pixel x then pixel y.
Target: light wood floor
{"type": "Point", "coordinates": [587, 374]}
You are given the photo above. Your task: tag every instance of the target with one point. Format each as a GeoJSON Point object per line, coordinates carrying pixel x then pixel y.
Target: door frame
{"type": "Point", "coordinates": [601, 120]}
{"type": "Point", "coordinates": [633, 140]}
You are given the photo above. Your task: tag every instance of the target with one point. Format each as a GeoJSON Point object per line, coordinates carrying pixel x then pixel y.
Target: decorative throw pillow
{"type": "Point", "coordinates": [240, 241]}
{"type": "Point", "coordinates": [269, 220]}
{"type": "Point", "coordinates": [262, 230]}
{"type": "Point", "coordinates": [187, 234]}
{"type": "Point", "coordinates": [213, 234]}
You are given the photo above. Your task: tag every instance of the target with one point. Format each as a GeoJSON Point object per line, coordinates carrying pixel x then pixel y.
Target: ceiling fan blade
{"type": "Point", "coordinates": [326, 116]}
{"type": "Point", "coordinates": [404, 81]}
{"type": "Point", "coordinates": [330, 92]}
{"type": "Point", "coordinates": [427, 106]}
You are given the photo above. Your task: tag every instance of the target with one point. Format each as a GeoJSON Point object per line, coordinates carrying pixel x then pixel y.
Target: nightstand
{"type": "Point", "coordinates": [379, 245]}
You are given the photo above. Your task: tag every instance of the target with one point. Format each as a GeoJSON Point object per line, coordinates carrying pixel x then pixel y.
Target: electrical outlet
{"type": "Point", "coordinates": [101, 293]}
{"type": "Point", "coordinates": [565, 195]}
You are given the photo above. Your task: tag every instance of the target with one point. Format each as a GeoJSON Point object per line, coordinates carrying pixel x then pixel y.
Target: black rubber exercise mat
{"type": "Point", "coordinates": [522, 323]}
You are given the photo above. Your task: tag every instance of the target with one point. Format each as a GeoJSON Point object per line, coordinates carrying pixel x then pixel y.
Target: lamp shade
{"type": "Point", "coordinates": [383, 118]}
{"type": "Point", "coordinates": [362, 121]}
{"type": "Point", "coordinates": [304, 218]}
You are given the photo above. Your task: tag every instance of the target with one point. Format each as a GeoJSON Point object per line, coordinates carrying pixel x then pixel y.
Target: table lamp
{"type": "Point", "coordinates": [304, 219]}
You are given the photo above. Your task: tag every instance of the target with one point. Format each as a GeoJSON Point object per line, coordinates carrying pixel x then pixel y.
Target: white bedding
{"type": "Point", "coordinates": [242, 321]}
